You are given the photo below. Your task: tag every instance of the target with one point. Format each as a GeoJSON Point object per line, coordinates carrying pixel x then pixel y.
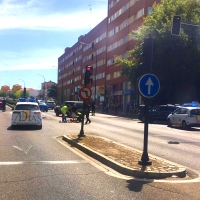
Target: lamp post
{"type": "Point", "coordinates": [44, 86]}
{"type": "Point", "coordinates": [9, 89]}
{"type": "Point", "coordinates": [24, 88]}
{"type": "Point", "coordinates": [95, 80]}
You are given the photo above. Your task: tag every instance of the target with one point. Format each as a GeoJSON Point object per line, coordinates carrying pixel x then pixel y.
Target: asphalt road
{"type": "Point", "coordinates": [35, 165]}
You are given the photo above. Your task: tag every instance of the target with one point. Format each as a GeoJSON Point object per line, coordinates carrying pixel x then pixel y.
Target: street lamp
{"type": "Point", "coordinates": [44, 86]}
{"type": "Point", "coordinates": [95, 80]}
{"type": "Point", "coordinates": [24, 88]}
{"type": "Point", "coordinates": [9, 89]}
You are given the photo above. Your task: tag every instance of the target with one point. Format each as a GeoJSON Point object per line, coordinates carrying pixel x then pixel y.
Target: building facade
{"type": "Point", "coordinates": [110, 38]}
{"type": "Point", "coordinates": [42, 94]}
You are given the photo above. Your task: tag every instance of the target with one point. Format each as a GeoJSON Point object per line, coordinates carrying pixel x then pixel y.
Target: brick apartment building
{"type": "Point", "coordinates": [110, 38]}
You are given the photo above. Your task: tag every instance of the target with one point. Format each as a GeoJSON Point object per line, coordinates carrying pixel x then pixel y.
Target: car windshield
{"type": "Point", "coordinates": [79, 105]}
{"type": "Point", "coordinates": [42, 104]}
{"type": "Point", "coordinates": [26, 107]}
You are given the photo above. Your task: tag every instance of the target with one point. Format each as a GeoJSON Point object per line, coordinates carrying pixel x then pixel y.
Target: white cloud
{"type": "Point", "coordinates": [28, 16]}
{"type": "Point", "coordinates": [42, 15]}
{"type": "Point", "coordinates": [40, 59]}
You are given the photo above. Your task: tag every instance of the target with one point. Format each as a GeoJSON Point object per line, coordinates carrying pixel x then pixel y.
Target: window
{"type": "Point", "coordinates": [125, 23]}
{"type": "Point", "coordinates": [195, 112]}
{"type": "Point", "coordinates": [149, 10]}
{"type": "Point", "coordinates": [125, 39]}
{"type": "Point", "coordinates": [126, 6]}
{"type": "Point", "coordinates": [120, 11]}
{"type": "Point", "coordinates": [118, 43]}
{"type": "Point", "coordinates": [100, 38]}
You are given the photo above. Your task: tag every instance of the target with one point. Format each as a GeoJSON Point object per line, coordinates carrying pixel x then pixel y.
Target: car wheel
{"type": "Point", "coordinates": [169, 123]}
{"type": "Point", "coordinates": [184, 125]}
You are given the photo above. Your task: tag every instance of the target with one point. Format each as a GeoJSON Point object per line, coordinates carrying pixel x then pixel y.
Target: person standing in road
{"type": "Point", "coordinates": [3, 105]}
{"type": "Point", "coordinates": [74, 110]}
{"type": "Point", "coordinates": [128, 108]}
{"type": "Point", "coordinates": [64, 111]}
{"type": "Point", "coordinates": [87, 113]}
{"type": "Point", "coordinates": [93, 107]}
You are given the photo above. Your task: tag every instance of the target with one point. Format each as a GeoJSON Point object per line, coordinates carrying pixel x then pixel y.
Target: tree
{"type": "Point", "coordinates": [2, 94]}
{"type": "Point", "coordinates": [20, 94]}
{"type": "Point", "coordinates": [176, 60]}
{"type": "Point", "coordinates": [52, 91]}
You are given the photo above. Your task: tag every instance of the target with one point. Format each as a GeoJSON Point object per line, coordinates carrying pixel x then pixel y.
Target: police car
{"type": "Point", "coordinates": [26, 113]}
{"type": "Point", "coordinates": [185, 117]}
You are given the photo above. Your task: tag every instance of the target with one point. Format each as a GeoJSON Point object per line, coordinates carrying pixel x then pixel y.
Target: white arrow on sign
{"type": "Point", "coordinates": [149, 83]}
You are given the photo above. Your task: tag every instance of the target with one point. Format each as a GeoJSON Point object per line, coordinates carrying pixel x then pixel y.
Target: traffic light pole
{"type": "Point", "coordinates": [147, 63]}
{"type": "Point", "coordinates": [145, 157]}
{"type": "Point", "coordinates": [81, 134]}
{"type": "Point", "coordinates": [87, 80]}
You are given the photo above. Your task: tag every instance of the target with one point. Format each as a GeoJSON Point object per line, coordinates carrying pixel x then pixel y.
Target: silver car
{"type": "Point", "coordinates": [185, 117]}
{"type": "Point", "coordinates": [26, 113]}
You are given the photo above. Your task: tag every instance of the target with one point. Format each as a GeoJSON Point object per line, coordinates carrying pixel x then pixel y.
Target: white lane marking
{"type": "Point", "coordinates": [42, 162]}
{"type": "Point", "coordinates": [24, 150]}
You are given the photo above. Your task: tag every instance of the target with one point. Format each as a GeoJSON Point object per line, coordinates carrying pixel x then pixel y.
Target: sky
{"type": "Point", "coordinates": [35, 33]}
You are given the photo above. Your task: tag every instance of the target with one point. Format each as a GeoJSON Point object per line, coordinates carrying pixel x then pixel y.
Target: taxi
{"type": "Point", "coordinates": [26, 113]}
{"type": "Point", "coordinates": [185, 117]}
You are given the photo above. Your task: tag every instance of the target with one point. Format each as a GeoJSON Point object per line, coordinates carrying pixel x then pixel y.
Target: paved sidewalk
{"type": "Point", "coordinates": [124, 159]}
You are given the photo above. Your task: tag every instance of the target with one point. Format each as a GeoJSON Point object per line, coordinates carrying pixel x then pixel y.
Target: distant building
{"type": "Point", "coordinates": [32, 92]}
{"type": "Point", "coordinates": [44, 89]}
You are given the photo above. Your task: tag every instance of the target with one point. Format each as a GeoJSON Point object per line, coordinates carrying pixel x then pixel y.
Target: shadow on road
{"type": "Point", "coordinates": [136, 186]}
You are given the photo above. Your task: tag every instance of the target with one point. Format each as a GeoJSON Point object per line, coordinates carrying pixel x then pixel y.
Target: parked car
{"type": "Point", "coordinates": [185, 117]}
{"type": "Point", "coordinates": [26, 113]}
{"type": "Point", "coordinates": [79, 105]}
{"type": "Point", "coordinates": [43, 107]}
{"type": "Point", "coordinates": [1, 104]}
{"type": "Point", "coordinates": [51, 104]}
{"type": "Point", "coordinates": [159, 113]}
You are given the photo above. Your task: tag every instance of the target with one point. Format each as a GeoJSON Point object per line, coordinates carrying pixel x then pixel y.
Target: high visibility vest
{"type": "Point", "coordinates": [64, 109]}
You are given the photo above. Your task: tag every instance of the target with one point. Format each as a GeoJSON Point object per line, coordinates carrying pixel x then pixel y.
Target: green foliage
{"type": "Point", "coordinates": [11, 102]}
{"type": "Point", "coordinates": [19, 94]}
{"type": "Point", "coordinates": [2, 94]}
{"type": "Point", "coordinates": [176, 59]}
{"type": "Point", "coordinates": [52, 91]}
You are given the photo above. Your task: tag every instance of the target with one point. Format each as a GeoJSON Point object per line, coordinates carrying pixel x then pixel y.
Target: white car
{"type": "Point", "coordinates": [26, 113]}
{"type": "Point", "coordinates": [185, 117]}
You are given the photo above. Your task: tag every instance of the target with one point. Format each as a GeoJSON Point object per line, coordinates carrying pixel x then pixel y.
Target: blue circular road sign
{"type": "Point", "coordinates": [148, 85]}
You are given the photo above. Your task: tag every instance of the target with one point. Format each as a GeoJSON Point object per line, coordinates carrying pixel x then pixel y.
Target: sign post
{"type": "Point", "coordinates": [149, 86]}
{"type": "Point", "coordinates": [85, 94]}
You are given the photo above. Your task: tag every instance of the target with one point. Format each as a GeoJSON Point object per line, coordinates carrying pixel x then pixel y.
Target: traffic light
{"type": "Point", "coordinates": [24, 92]}
{"type": "Point", "coordinates": [147, 54]}
{"type": "Point", "coordinates": [88, 73]}
{"type": "Point", "coordinates": [176, 25]}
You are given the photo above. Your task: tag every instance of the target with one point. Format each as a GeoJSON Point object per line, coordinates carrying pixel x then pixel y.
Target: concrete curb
{"type": "Point", "coordinates": [121, 168]}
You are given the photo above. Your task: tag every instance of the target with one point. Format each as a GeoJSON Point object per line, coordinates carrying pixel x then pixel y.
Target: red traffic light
{"type": "Point", "coordinates": [89, 68]}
